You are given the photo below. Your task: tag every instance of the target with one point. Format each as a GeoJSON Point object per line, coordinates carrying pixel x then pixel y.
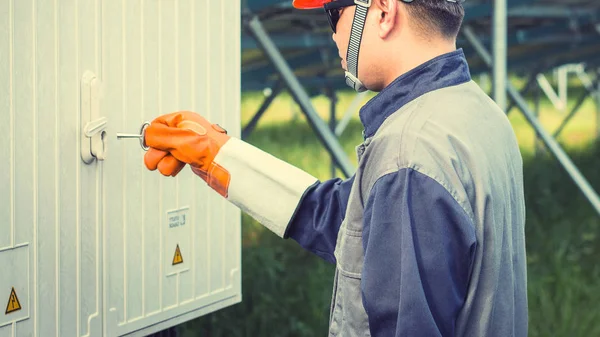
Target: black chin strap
{"type": "Point", "coordinates": [358, 25]}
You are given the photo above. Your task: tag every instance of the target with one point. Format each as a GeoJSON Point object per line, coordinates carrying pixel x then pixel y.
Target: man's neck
{"type": "Point", "coordinates": [415, 55]}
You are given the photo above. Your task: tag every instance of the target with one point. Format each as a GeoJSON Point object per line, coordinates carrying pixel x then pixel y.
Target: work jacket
{"type": "Point", "coordinates": [428, 235]}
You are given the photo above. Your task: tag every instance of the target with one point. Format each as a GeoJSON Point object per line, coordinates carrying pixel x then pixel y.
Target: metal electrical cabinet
{"type": "Point", "coordinates": [92, 243]}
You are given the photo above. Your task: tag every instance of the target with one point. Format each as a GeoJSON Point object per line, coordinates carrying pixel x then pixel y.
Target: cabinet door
{"type": "Point", "coordinates": [172, 244]}
{"type": "Point", "coordinates": [50, 248]}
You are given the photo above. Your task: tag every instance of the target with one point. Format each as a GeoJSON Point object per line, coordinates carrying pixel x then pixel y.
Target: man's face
{"type": "Point", "coordinates": [342, 37]}
{"type": "Point", "coordinates": [375, 52]}
{"type": "Point", "coordinates": [368, 50]}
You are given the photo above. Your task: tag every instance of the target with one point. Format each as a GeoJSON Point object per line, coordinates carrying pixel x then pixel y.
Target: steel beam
{"type": "Point", "coordinates": [292, 41]}
{"type": "Point", "coordinates": [538, 146]}
{"type": "Point", "coordinates": [590, 91]}
{"type": "Point", "coordinates": [354, 105]}
{"type": "Point", "coordinates": [332, 120]}
{"type": "Point", "coordinates": [548, 90]}
{"type": "Point", "coordinates": [478, 11]}
{"type": "Point", "coordinates": [307, 82]}
{"type": "Point", "coordinates": [549, 11]}
{"type": "Point", "coordinates": [326, 136]}
{"type": "Point", "coordinates": [261, 70]}
{"type": "Point", "coordinates": [598, 104]}
{"type": "Point", "coordinates": [550, 142]}
{"type": "Point", "coordinates": [572, 114]}
{"type": "Point", "coordinates": [264, 106]}
{"type": "Point", "coordinates": [523, 91]}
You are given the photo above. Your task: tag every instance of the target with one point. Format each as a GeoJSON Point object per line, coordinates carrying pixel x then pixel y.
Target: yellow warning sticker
{"type": "Point", "coordinates": [13, 303]}
{"type": "Point", "coordinates": [177, 259]}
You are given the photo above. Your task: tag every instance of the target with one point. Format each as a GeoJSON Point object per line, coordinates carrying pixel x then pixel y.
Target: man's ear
{"type": "Point", "coordinates": [387, 11]}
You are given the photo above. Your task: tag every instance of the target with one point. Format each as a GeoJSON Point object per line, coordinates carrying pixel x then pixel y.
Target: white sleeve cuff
{"type": "Point", "coordinates": [264, 187]}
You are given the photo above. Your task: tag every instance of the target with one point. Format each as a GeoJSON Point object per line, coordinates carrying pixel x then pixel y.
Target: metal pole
{"type": "Point", "coordinates": [326, 136]}
{"type": "Point", "coordinates": [266, 103]}
{"type": "Point", "coordinates": [560, 154]}
{"type": "Point", "coordinates": [555, 98]}
{"type": "Point", "coordinates": [332, 122]}
{"type": "Point", "coordinates": [500, 52]}
{"type": "Point", "coordinates": [591, 91]}
{"type": "Point", "coordinates": [563, 82]}
{"type": "Point", "coordinates": [585, 79]}
{"type": "Point", "coordinates": [550, 142]}
{"type": "Point", "coordinates": [598, 104]}
{"type": "Point", "coordinates": [537, 146]}
{"type": "Point", "coordinates": [523, 92]}
{"type": "Point", "coordinates": [341, 126]}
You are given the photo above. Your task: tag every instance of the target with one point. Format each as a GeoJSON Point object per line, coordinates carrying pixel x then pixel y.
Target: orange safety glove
{"type": "Point", "coordinates": [183, 138]}
{"type": "Point", "coordinates": [266, 188]}
{"type": "Point", "coordinates": [163, 161]}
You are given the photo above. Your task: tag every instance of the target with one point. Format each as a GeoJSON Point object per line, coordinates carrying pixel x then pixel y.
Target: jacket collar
{"type": "Point", "coordinates": [443, 71]}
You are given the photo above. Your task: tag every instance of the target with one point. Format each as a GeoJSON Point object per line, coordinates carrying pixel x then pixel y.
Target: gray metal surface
{"type": "Point", "coordinates": [89, 246]}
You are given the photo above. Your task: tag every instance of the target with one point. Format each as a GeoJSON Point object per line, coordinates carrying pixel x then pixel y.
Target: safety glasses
{"type": "Point", "coordinates": [333, 9]}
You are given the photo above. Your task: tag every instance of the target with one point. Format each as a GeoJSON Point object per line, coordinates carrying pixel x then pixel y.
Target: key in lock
{"type": "Point", "coordinates": [140, 136]}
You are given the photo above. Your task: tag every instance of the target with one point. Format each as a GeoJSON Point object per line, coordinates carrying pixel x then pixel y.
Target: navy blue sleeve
{"type": "Point", "coordinates": [319, 215]}
{"type": "Point", "coordinates": [419, 245]}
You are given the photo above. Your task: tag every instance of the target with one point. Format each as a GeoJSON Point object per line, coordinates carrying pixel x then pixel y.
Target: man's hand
{"type": "Point", "coordinates": [183, 138]}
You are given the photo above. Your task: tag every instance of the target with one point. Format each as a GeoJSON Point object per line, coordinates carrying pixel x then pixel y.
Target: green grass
{"type": "Point", "coordinates": [286, 290]}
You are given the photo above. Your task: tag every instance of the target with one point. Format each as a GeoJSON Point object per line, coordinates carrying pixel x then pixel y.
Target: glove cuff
{"type": "Point", "coordinates": [264, 187]}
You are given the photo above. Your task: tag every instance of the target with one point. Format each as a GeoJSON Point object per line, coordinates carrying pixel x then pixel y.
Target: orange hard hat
{"type": "Point", "coordinates": [309, 4]}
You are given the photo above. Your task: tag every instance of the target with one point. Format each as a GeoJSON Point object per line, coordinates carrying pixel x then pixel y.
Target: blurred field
{"type": "Point", "coordinates": [286, 291]}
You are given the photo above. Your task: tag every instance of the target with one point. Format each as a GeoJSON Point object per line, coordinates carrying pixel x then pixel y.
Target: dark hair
{"type": "Point", "coordinates": [437, 16]}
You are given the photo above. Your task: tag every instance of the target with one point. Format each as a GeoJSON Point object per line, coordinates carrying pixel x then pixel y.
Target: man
{"type": "Point", "coordinates": [428, 235]}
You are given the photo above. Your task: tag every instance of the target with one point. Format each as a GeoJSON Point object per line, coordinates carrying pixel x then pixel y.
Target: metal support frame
{"type": "Point", "coordinates": [560, 98]}
{"type": "Point", "coordinates": [572, 114]}
{"type": "Point", "coordinates": [597, 87]}
{"type": "Point", "coordinates": [538, 146]}
{"type": "Point", "coordinates": [550, 142]}
{"type": "Point", "coordinates": [585, 79]}
{"type": "Point", "coordinates": [265, 105]}
{"type": "Point", "coordinates": [556, 100]}
{"type": "Point", "coordinates": [590, 91]}
{"type": "Point", "coordinates": [255, 28]}
{"type": "Point", "coordinates": [523, 91]}
{"type": "Point", "coordinates": [500, 52]}
{"type": "Point", "coordinates": [343, 124]}
{"type": "Point", "coordinates": [563, 86]}
{"type": "Point", "coordinates": [332, 120]}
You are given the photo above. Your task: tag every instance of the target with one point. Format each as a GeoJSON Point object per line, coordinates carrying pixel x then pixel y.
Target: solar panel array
{"type": "Point", "coordinates": [542, 34]}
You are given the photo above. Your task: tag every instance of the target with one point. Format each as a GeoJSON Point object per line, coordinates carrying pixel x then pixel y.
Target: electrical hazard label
{"type": "Point", "coordinates": [177, 241]}
{"type": "Point", "coordinates": [177, 259]}
{"type": "Point", "coordinates": [13, 303]}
